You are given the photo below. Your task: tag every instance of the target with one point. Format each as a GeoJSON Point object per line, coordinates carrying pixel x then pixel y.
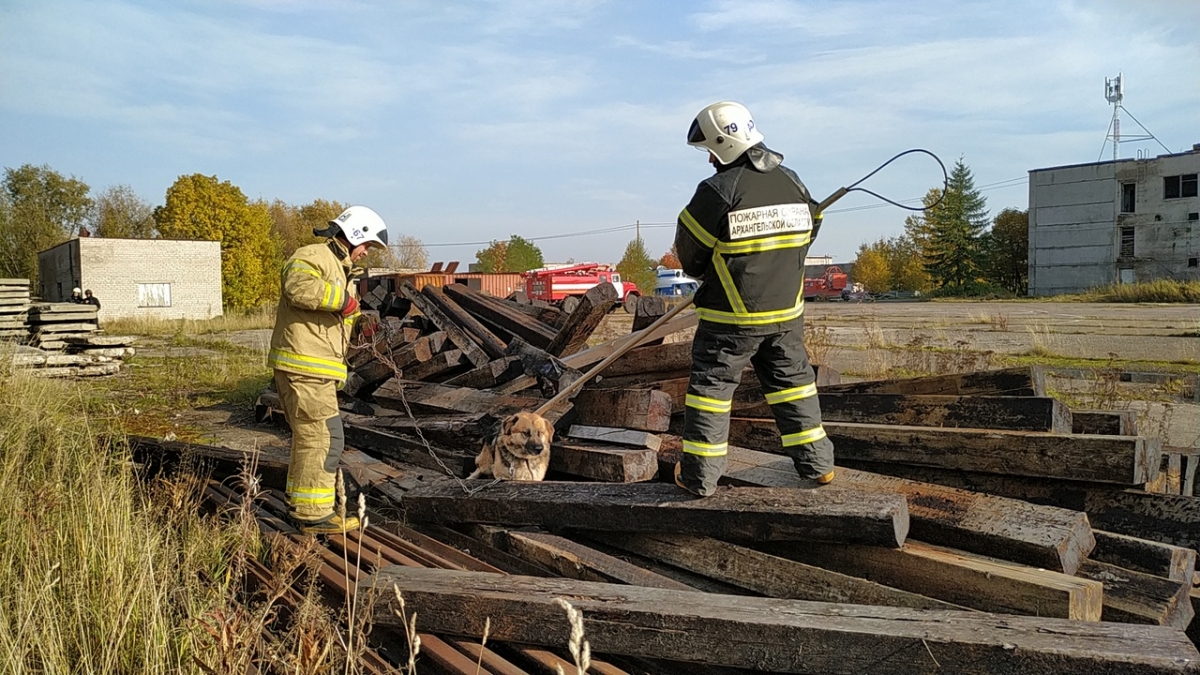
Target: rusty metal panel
{"type": "Point", "coordinates": [423, 279]}
{"type": "Point", "coordinates": [497, 285]}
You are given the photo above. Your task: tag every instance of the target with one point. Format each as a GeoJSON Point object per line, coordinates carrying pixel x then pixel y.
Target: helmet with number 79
{"type": "Point", "coordinates": [725, 129]}
{"type": "Point", "coordinates": [361, 225]}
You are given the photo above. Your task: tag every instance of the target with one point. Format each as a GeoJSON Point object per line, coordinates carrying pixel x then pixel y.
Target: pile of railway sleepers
{"type": "Point", "coordinates": [976, 525]}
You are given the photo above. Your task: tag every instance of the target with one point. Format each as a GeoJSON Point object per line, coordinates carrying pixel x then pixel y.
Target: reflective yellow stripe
{"type": "Point", "coordinates": [325, 298]}
{"type": "Point", "coordinates": [731, 294]}
{"type": "Point", "coordinates": [702, 235]}
{"type": "Point", "coordinates": [705, 449]}
{"type": "Point", "coordinates": [802, 437]}
{"type": "Point", "coordinates": [752, 318]}
{"type": "Point", "coordinates": [792, 394]}
{"type": "Point", "coordinates": [711, 405]}
{"type": "Point", "coordinates": [317, 496]}
{"type": "Point", "coordinates": [286, 360]}
{"type": "Point", "coordinates": [301, 267]}
{"type": "Point", "coordinates": [766, 244]}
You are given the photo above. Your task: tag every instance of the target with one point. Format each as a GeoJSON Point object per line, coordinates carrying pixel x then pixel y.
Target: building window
{"type": "Point", "coordinates": [1125, 275]}
{"type": "Point", "coordinates": [1175, 187]}
{"type": "Point", "coordinates": [1126, 242]}
{"type": "Point", "coordinates": [1128, 197]}
{"type": "Point", "coordinates": [1193, 262]}
{"type": "Point", "coordinates": [154, 295]}
{"type": "Point", "coordinates": [1194, 216]}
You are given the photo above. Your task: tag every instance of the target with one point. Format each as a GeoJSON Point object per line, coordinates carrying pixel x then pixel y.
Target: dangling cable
{"type": "Point", "coordinates": [842, 192]}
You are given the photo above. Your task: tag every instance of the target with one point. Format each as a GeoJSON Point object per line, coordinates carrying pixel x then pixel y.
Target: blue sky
{"type": "Point", "coordinates": [462, 122]}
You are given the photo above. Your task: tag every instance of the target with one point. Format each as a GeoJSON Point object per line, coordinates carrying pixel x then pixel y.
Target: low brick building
{"type": "Point", "coordinates": [162, 278]}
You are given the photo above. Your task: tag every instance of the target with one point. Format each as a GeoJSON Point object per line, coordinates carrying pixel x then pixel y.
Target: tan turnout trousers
{"type": "Point", "coordinates": [310, 404]}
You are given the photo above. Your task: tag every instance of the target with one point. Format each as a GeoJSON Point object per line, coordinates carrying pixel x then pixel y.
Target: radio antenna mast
{"type": "Point", "coordinates": [1114, 93]}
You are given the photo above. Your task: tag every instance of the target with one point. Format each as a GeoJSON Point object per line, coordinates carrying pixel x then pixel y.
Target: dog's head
{"type": "Point", "coordinates": [526, 434]}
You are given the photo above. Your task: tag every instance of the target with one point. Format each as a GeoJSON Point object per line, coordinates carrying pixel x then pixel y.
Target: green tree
{"type": "Point", "coordinates": [1008, 251]}
{"type": "Point", "coordinates": [951, 233]}
{"type": "Point", "coordinates": [637, 267]}
{"type": "Point", "coordinates": [203, 207]}
{"type": "Point", "coordinates": [515, 255]}
{"type": "Point", "coordinates": [120, 213]}
{"type": "Point", "coordinates": [44, 209]}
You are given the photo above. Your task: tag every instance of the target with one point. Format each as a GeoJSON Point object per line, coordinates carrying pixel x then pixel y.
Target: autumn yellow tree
{"type": "Point", "coordinates": [871, 269]}
{"type": "Point", "coordinates": [203, 207]}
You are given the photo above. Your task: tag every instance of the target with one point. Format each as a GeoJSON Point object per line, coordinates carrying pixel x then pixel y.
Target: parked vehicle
{"type": "Point", "coordinates": [563, 286]}
{"type": "Point", "coordinates": [674, 283]}
{"type": "Point", "coordinates": [828, 286]}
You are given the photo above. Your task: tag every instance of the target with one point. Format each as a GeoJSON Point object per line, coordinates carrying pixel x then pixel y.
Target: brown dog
{"type": "Point", "coordinates": [519, 451]}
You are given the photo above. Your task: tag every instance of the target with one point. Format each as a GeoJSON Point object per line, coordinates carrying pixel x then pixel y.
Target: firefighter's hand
{"type": "Point", "coordinates": [351, 306]}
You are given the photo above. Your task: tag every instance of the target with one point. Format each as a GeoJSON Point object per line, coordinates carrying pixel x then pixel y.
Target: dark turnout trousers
{"type": "Point", "coordinates": [779, 359]}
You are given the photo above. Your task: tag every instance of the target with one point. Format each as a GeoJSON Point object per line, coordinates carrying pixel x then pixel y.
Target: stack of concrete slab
{"type": "Point", "coordinates": [43, 363]}
{"type": "Point", "coordinates": [98, 344]}
{"type": "Point", "coordinates": [14, 302]}
{"type": "Point", "coordinates": [51, 323]}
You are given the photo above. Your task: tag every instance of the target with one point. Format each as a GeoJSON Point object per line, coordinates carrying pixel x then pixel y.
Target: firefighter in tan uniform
{"type": "Point", "coordinates": [317, 311]}
{"type": "Point", "coordinates": [745, 234]}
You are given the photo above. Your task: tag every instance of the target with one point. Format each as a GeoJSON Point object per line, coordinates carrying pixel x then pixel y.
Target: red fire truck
{"type": "Point", "coordinates": [564, 285]}
{"type": "Point", "coordinates": [828, 286]}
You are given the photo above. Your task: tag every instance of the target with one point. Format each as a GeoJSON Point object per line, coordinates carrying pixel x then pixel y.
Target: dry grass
{"type": "Point", "coordinates": [97, 573]}
{"type": "Point", "coordinates": [1163, 290]}
{"type": "Point", "coordinates": [261, 317]}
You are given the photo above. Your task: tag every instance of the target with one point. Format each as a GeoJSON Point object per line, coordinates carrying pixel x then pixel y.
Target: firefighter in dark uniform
{"type": "Point", "coordinates": [745, 234]}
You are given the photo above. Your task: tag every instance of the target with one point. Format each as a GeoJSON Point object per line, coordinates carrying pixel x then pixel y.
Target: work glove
{"type": "Point", "coordinates": [350, 307]}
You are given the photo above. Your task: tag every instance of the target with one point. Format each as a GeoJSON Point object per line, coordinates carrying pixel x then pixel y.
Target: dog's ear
{"type": "Point", "coordinates": [507, 427]}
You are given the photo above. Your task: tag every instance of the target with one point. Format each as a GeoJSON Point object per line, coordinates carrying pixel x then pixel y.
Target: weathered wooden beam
{"type": "Point", "coordinates": [1169, 477]}
{"type": "Point", "coordinates": [453, 331]}
{"type": "Point", "coordinates": [770, 575]}
{"type": "Point", "coordinates": [637, 439]}
{"type": "Point", "coordinates": [604, 462]}
{"type": "Point", "coordinates": [767, 634]}
{"type": "Point", "coordinates": [826, 514]}
{"type": "Point", "coordinates": [441, 398]}
{"type": "Point", "coordinates": [644, 409]}
{"type": "Point", "coordinates": [1137, 597]}
{"type": "Point", "coordinates": [489, 374]}
{"type": "Point", "coordinates": [1171, 519]}
{"type": "Point", "coordinates": [407, 449]}
{"type": "Point", "coordinates": [441, 363]}
{"type": "Point", "coordinates": [1143, 555]}
{"type": "Point", "coordinates": [549, 370]}
{"type": "Point", "coordinates": [492, 345]}
{"type": "Point", "coordinates": [1125, 460]}
{"type": "Point", "coordinates": [386, 339]}
{"type": "Point", "coordinates": [465, 429]}
{"type": "Point", "coordinates": [593, 307]}
{"type": "Point", "coordinates": [661, 358]}
{"type": "Point", "coordinates": [1018, 381]}
{"type": "Point", "coordinates": [500, 314]}
{"type": "Point", "coordinates": [962, 578]}
{"type": "Point", "coordinates": [1011, 529]}
{"type": "Point", "coordinates": [1106, 422]}
{"type": "Point", "coordinates": [572, 559]}
{"type": "Point", "coordinates": [649, 309]}
{"type": "Point", "coordinates": [1013, 413]}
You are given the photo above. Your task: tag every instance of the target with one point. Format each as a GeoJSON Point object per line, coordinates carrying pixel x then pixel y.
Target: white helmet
{"type": "Point", "coordinates": [725, 129]}
{"type": "Point", "coordinates": [361, 225]}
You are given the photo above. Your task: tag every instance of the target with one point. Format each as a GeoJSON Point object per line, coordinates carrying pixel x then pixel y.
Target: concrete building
{"type": "Point", "coordinates": [1124, 221]}
{"type": "Point", "coordinates": [161, 278]}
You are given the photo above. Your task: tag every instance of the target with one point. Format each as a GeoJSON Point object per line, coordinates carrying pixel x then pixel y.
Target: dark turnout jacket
{"type": "Point", "coordinates": [745, 233]}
